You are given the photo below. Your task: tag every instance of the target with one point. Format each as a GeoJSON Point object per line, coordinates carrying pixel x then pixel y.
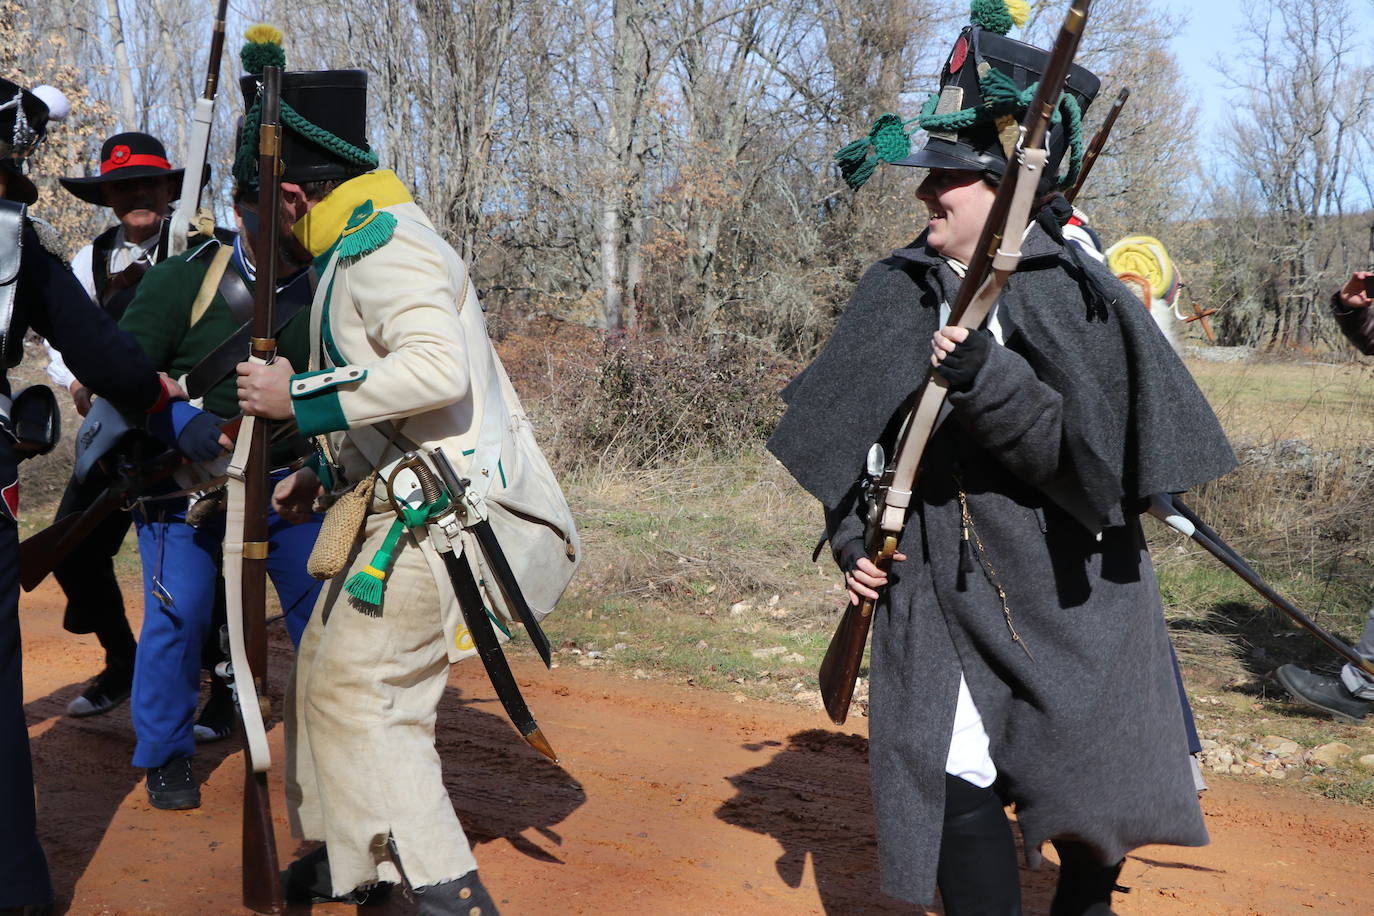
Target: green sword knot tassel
{"type": "Point", "coordinates": [366, 585]}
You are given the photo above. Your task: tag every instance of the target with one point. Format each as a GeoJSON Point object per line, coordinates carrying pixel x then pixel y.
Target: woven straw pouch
{"type": "Point", "coordinates": [339, 530]}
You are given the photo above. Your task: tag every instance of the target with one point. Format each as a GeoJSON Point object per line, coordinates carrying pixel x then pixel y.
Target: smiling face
{"type": "Point", "coordinates": [140, 204]}
{"type": "Point", "coordinates": [958, 202]}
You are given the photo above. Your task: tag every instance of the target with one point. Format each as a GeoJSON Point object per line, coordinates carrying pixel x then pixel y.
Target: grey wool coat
{"type": "Point", "coordinates": [1083, 413]}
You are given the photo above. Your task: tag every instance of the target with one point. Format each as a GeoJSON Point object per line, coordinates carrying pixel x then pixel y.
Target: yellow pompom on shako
{"type": "Point", "coordinates": [263, 33]}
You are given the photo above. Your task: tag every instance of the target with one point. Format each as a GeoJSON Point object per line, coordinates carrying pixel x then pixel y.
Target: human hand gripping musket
{"type": "Point", "coordinates": [989, 268]}
{"type": "Point", "coordinates": [245, 540]}
{"type": "Point", "coordinates": [1171, 511]}
{"type": "Point", "coordinates": [198, 147]}
{"type": "Point", "coordinates": [1095, 147]}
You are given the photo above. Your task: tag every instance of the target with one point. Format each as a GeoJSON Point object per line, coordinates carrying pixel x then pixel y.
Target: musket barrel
{"type": "Point", "coordinates": [1098, 142]}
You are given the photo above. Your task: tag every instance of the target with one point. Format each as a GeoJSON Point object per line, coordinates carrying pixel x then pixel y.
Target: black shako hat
{"type": "Point", "coordinates": [983, 145]}
{"type": "Point", "coordinates": [331, 106]}
{"type": "Point", "coordinates": [124, 157]}
{"type": "Point", "coordinates": [23, 123]}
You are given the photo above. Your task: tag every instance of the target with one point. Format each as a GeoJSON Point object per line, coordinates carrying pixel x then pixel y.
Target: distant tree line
{"type": "Point", "coordinates": [664, 165]}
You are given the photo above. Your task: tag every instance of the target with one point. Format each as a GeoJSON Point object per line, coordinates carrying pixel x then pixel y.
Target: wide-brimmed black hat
{"type": "Point", "coordinates": [124, 157]}
{"type": "Point", "coordinates": [23, 122]}
{"type": "Point", "coordinates": [966, 82]}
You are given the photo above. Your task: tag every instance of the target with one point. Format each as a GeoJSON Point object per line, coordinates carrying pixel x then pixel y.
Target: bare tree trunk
{"type": "Point", "coordinates": [128, 107]}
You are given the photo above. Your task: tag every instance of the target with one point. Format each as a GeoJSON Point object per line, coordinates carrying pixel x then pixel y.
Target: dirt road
{"type": "Point", "coordinates": [669, 800]}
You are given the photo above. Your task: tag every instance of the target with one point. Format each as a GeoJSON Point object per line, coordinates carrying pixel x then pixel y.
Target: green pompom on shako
{"type": "Point", "coordinates": [262, 48]}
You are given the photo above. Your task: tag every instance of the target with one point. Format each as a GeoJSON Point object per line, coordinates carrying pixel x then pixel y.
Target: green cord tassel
{"type": "Point", "coordinates": [365, 587]}
{"type": "Point", "coordinates": [887, 141]}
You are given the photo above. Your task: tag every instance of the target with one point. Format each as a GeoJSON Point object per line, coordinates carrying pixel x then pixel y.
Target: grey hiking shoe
{"type": "Point", "coordinates": [109, 688]}
{"type": "Point", "coordinates": [1327, 694]}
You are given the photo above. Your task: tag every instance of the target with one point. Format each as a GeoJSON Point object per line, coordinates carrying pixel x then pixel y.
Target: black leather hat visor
{"type": "Point", "coordinates": [941, 154]}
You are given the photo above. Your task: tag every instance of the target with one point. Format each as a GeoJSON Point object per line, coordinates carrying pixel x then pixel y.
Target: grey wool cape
{"type": "Point", "coordinates": [1066, 430]}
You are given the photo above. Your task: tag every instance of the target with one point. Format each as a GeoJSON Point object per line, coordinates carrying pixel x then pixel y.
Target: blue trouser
{"type": "Point", "coordinates": [181, 582]}
{"type": "Point", "coordinates": [23, 869]}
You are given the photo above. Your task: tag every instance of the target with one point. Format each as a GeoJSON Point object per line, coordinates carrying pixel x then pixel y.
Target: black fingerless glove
{"type": "Point", "coordinates": [960, 367]}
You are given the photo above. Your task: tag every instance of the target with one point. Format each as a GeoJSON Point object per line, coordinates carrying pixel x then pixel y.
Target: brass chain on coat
{"type": "Point", "coordinates": [970, 534]}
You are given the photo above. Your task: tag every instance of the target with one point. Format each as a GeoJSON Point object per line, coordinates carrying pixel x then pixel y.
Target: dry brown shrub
{"type": "Point", "coordinates": [648, 400]}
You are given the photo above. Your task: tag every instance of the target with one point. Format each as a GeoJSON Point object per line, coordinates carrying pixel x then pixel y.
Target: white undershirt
{"type": "Point", "coordinates": [969, 758]}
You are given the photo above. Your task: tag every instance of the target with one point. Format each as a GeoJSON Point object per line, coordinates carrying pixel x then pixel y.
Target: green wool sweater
{"type": "Point", "coordinates": [159, 318]}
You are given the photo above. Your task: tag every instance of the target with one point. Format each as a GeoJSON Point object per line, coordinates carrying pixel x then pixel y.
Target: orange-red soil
{"type": "Point", "coordinates": [668, 800]}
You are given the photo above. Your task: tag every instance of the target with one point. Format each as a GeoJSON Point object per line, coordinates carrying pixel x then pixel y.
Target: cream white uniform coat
{"type": "Point", "coordinates": [398, 338]}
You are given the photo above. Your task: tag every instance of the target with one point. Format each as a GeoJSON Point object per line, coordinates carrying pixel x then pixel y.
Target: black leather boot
{"type": "Point", "coordinates": [463, 896]}
{"type": "Point", "coordinates": [977, 874]}
{"type": "Point", "coordinates": [1085, 884]}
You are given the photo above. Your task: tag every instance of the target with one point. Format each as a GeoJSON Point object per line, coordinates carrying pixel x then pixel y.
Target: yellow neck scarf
{"type": "Point", "coordinates": [324, 223]}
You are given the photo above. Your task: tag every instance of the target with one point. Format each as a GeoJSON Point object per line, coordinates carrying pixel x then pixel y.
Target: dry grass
{"type": "Point", "coordinates": [1262, 402]}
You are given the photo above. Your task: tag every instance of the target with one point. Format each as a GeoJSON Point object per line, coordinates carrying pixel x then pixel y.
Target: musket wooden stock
{"type": "Point", "coordinates": [981, 285]}
{"type": "Point", "coordinates": [262, 891]}
{"type": "Point", "coordinates": [1095, 147]}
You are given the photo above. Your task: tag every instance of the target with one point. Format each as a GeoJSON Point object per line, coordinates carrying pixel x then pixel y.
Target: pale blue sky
{"type": "Point", "coordinates": [1200, 44]}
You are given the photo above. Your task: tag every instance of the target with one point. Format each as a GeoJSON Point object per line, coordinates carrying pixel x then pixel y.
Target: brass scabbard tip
{"type": "Point", "coordinates": [265, 708]}
{"type": "Point", "coordinates": [541, 744]}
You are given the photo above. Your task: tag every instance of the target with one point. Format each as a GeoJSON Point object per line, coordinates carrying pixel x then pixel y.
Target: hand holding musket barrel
{"type": "Point", "coordinates": [988, 271]}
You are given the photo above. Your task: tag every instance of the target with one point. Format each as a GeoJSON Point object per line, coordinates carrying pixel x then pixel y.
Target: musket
{"type": "Point", "coordinates": [1099, 140]}
{"type": "Point", "coordinates": [40, 553]}
{"type": "Point", "coordinates": [988, 271]}
{"type": "Point", "coordinates": [198, 147]}
{"type": "Point", "coordinates": [245, 542]}
{"type": "Point", "coordinates": [1172, 512]}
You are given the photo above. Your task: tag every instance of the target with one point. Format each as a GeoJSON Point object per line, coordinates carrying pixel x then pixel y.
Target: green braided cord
{"type": "Point", "coordinates": [991, 15]}
{"type": "Point", "coordinates": [365, 586]}
{"type": "Point", "coordinates": [256, 55]}
{"type": "Point", "coordinates": [246, 159]}
{"type": "Point", "coordinates": [1000, 97]}
{"type": "Point", "coordinates": [1073, 122]}
{"type": "Point", "coordinates": [321, 137]}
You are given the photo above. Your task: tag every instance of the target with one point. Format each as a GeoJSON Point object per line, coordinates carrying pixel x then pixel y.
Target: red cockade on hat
{"type": "Point", "coordinates": [122, 157]}
{"type": "Point", "coordinates": [958, 55]}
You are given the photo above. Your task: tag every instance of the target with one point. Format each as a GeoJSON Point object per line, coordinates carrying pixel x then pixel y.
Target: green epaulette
{"type": "Point", "coordinates": [367, 230]}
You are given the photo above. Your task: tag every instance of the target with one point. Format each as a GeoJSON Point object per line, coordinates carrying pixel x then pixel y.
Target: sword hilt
{"type": "Point", "coordinates": [430, 488]}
